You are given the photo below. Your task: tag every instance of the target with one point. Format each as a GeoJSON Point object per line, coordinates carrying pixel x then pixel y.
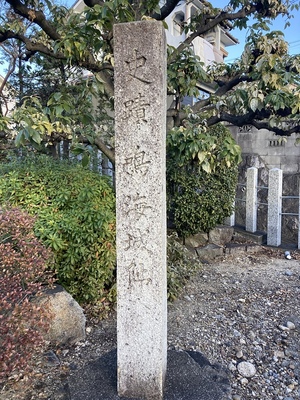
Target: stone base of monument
{"type": "Point", "coordinates": [190, 376]}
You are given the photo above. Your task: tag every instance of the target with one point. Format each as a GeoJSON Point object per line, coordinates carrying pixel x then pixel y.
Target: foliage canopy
{"type": "Point", "coordinates": [261, 88]}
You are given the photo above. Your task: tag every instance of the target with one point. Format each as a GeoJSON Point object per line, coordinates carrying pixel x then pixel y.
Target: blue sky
{"type": "Point", "coordinates": [291, 33]}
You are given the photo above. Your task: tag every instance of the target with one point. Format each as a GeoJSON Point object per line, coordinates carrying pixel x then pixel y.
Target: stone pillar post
{"type": "Point", "coordinates": [230, 221]}
{"type": "Point", "coordinates": [274, 207]}
{"type": "Point", "coordinates": [140, 115]}
{"type": "Point", "coordinates": [251, 200]}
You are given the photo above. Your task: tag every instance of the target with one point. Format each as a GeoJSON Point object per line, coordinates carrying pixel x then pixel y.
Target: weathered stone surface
{"type": "Point", "coordinates": [257, 237]}
{"type": "Point", "coordinates": [200, 239]}
{"type": "Point", "coordinates": [140, 116]}
{"type": "Point", "coordinates": [221, 235]}
{"type": "Point", "coordinates": [246, 369]}
{"type": "Point", "coordinates": [251, 200]}
{"type": "Point", "coordinates": [209, 252]}
{"type": "Point", "coordinates": [274, 207]}
{"type": "Point", "coordinates": [68, 319]}
{"type": "Point", "coordinates": [235, 248]}
{"type": "Point", "coordinates": [238, 248]}
{"type": "Point", "coordinates": [252, 248]}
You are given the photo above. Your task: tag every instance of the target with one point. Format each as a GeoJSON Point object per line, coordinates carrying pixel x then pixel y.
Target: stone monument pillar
{"type": "Point", "coordinates": [251, 200]}
{"type": "Point", "coordinates": [140, 115]}
{"type": "Point", "coordinates": [274, 207]}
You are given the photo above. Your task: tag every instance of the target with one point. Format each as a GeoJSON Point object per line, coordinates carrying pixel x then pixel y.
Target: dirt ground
{"type": "Point", "coordinates": [239, 307]}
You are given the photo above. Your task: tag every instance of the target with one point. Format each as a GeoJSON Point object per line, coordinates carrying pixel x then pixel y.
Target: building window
{"type": "Point", "coordinates": [194, 12]}
{"type": "Point", "coordinates": [178, 23]}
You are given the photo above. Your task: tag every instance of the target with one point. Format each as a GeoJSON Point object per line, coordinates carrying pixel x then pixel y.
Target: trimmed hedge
{"type": "Point", "coordinates": [75, 211]}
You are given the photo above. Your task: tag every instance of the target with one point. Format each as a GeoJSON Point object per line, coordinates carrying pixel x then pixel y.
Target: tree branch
{"type": "Point", "coordinates": [225, 86]}
{"type": "Point", "coordinates": [110, 154]}
{"type": "Point", "coordinates": [208, 22]}
{"type": "Point", "coordinates": [253, 118]}
{"type": "Point", "coordinates": [92, 3]}
{"type": "Point", "coordinates": [38, 17]}
{"type": "Point", "coordinates": [31, 47]}
{"type": "Point", "coordinates": [11, 69]}
{"type": "Point", "coordinates": [91, 65]}
{"type": "Point", "coordinates": [165, 10]}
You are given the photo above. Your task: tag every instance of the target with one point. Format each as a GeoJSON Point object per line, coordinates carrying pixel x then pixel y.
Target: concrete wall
{"type": "Point", "coordinates": [276, 152]}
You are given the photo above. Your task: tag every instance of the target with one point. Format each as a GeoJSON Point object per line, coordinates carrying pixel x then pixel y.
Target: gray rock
{"type": "Point", "coordinates": [278, 354]}
{"type": "Point", "coordinates": [246, 369]}
{"type": "Point", "coordinates": [232, 367]}
{"type": "Point", "coordinates": [244, 381]}
{"type": "Point", "coordinates": [221, 235]}
{"type": "Point", "coordinates": [239, 354]}
{"type": "Point", "coordinates": [290, 325]}
{"type": "Point", "coordinates": [67, 324]}
{"type": "Point", "coordinates": [51, 359]}
{"type": "Point", "coordinates": [200, 239]}
{"type": "Point", "coordinates": [235, 248]}
{"type": "Point", "coordinates": [209, 252]}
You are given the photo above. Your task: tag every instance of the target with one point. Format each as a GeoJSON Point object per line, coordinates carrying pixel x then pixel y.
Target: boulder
{"type": "Point", "coordinates": [200, 239]}
{"type": "Point", "coordinates": [209, 252]}
{"type": "Point", "coordinates": [67, 325]}
{"type": "Point", "coordinates": [221, 235]}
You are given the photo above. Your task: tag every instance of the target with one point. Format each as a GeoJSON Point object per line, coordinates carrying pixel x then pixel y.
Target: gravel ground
{"type": "Point", "coordinates": [244, 312]}
{"type": "Point", "coordinates": [241, 311]}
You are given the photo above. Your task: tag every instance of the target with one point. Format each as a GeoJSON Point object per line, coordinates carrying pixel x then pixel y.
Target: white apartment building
{"type": "Point", "coordinates": [211, 47]}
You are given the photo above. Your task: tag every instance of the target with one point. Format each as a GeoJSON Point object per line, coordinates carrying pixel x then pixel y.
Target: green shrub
{"type": "Point", "coordinates": [76, 219]}
{"type": "Point", "coordinates": [23, 263]}
{"type": "Point", "coordinates": [201, 177]}
{"type": "Point", "coordinates": [75, 211]}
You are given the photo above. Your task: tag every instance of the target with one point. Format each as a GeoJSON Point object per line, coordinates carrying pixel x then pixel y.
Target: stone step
{"type": "Point", "coordinates": [238, 248]}
{"type": "Point", "coordinates": [256, 237]}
